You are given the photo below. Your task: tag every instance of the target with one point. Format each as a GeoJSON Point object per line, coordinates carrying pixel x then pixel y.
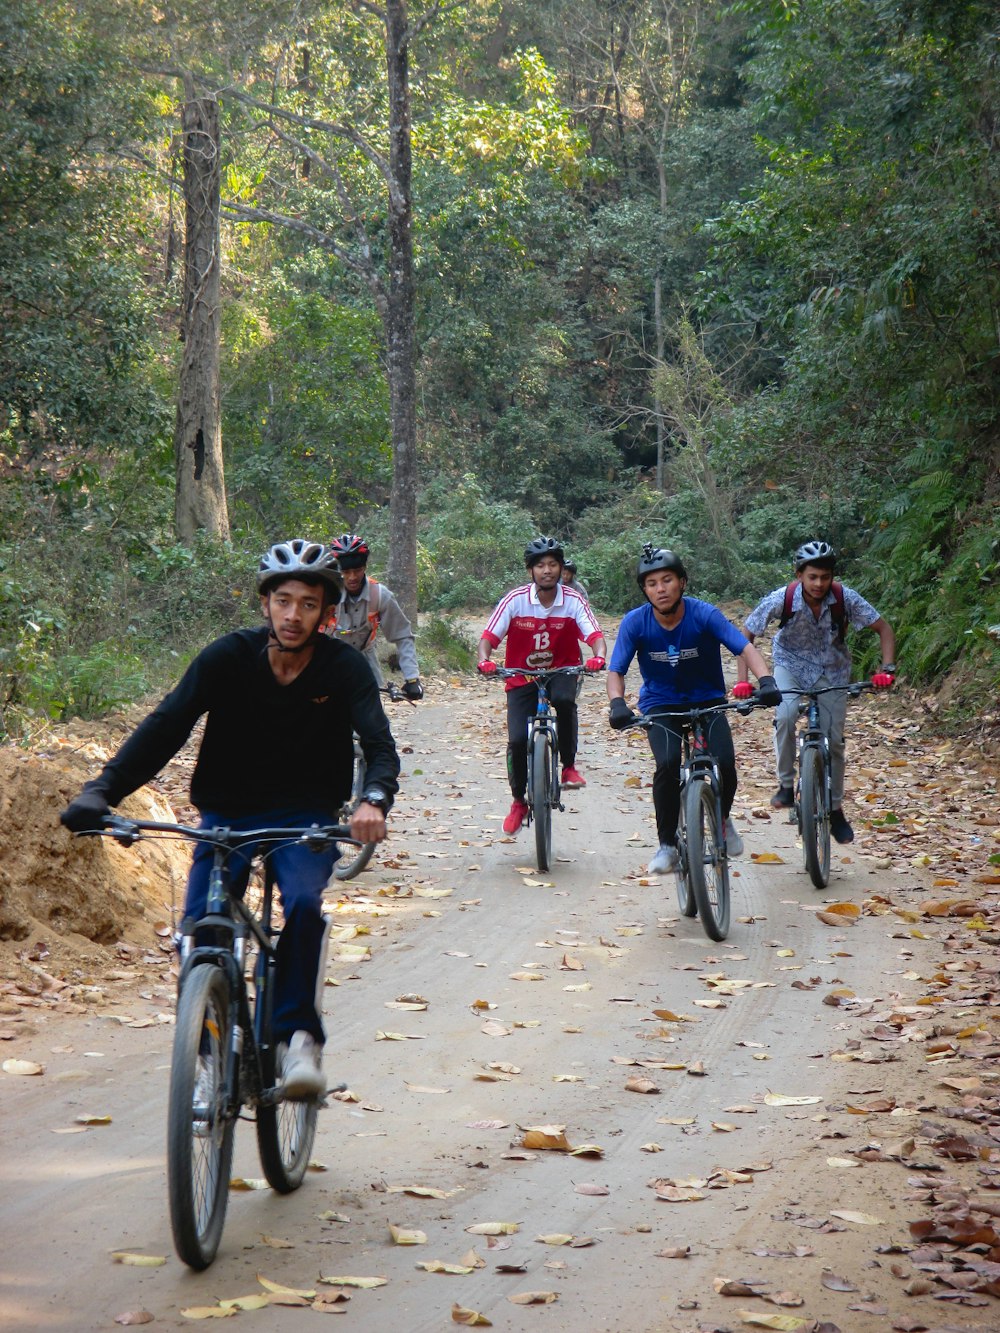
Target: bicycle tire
{"type": "Point", "coordinates": [200, 1148]}
{"type": "Point", "coordinates": [540, 795]}
{"type": "Point", "coordinates": [285, 1133]}
{"type": "Point", "coordinates": [814, 816]}
{"type": "Point", "coordinates": [708, 868]}
{"type": "Point", "coordinates": [352, 861]}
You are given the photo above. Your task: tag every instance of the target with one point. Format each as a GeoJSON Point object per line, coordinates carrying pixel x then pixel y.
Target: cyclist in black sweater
{"type": "Point", "coordinates": [283, 703]}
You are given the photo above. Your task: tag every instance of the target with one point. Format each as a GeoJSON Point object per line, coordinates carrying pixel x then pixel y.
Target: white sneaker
{"type": "Point", "coordinates": [665, 860]}
{"type": "Point", "coordinates": [302, 1069]}
{"type": "Point", "coordinates": [734, 843]}
{"type": "Point", "coordinates": [203, 1098]}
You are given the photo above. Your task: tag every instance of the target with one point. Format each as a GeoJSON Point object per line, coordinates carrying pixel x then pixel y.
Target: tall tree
{"type": "Point", "coordinates": [200, 493]}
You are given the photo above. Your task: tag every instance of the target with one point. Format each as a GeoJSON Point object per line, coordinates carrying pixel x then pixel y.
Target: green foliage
{"type": "Point", "coordinates": [444, 645]}
{"type": "Point", "coordinates": [475, 546]}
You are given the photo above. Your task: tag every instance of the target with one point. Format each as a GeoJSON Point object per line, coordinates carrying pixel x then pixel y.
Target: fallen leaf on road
{"type": "Point", "coordinates": [137, 1260]}
{"type": "Point", "coordinates": [834, 1283]}
{"type": "Point", "coordinates": [406, 1236]}
{"type": "Point", "coordinates": [597, 1191]}
{"type": "Point", "coordinates": [862, 1219]}
{"type": "Point", "coordinates": [454, 1270]}
{"type": "Point", "coordinates": [131, 1317]}
{"type": "Point", "coordinates": [209, 1312]}
{"type": "Point", "coordinates": [786, 1323]}
{"type": "Point", "coordinates": [26, 1067]}
{"type": "Point", "coordinates": [469, 1318]}
{"type": "Point", "coordinates": [641, 1085]}
{"type": "Point", "coordinates": [362, 1283]}
{"type": "Point", "coordinates": [494, 1228]}
{"type": "Point", "coordinates": [533, 1298]}
{"type": "Point", "coordinates": [279, 1288]}
{"type": "Point", "coordinates": [550, 1137]}
{"type": "Point", "coordinates": [779, 1099]}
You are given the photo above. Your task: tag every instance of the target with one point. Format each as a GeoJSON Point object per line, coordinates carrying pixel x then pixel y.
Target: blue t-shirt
{"type": "Point", "coordinates": [678, 666]}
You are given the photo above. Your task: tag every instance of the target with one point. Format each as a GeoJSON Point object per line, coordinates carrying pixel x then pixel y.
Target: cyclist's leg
{"type": "Point", "coordinates": [521, 703]}
{"type": "Point", "coordinates": [720, 741]}
{"type": "Point", "coordinates": [238, 863]}
{"type": "Point", "coordinates": [562, 692]}
{"type": "Point", "coordinates": [666, 748]}
{"type": "Point", "coordinates": [301, 875]}
{"type": "Point", "coordinates": [832, 716]}
{"type": "Point", "coordinates": [785, 716]}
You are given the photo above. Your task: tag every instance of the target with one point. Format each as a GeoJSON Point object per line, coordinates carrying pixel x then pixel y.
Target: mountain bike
{"type": "Point", "coordinates": [813, 799]}
{"type": "Point", "coordinates": [352, 863]}
{"type": "Point", "coordinates": [543, 792]}
{"type": "Point", "coordinates": [224, 1053]}
{"type": "Point", "coordinates": [703, 862]}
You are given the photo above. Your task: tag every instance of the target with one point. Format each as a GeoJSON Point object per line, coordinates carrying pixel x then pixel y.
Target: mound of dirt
{"type": "Point", "coordinates": [71, 900]}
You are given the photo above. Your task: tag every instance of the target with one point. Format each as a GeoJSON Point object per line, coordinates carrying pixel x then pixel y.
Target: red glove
{"type": "Point", "coordinates": [882, 680]}
{"type": "Point", "coordinates": [742, 689]}
{"type": "Point", "coordinates": [594, 664]}
{"type": "Point", "coordinates": [487, 667]}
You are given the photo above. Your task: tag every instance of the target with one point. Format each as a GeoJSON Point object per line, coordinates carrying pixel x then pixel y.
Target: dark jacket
{"type": "Point", "coordinates": [267, 746]}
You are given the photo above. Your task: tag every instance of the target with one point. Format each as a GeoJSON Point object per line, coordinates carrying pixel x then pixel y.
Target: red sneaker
{"type": "Point", "coordinates": [517, 816]}
{"type": "Point", "coordinates": [571, 778]}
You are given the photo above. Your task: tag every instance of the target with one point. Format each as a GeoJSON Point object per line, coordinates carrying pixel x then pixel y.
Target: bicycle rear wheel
{"type": "Point", "coordinates": [285, 1133]}
{"type": "Point", "coordinates": [540, 796]}
{"type": "Point", "coordinates": [708, 868]}
{"type": "Point", "coordinates": [815, 816]}
{"type": "Point", "coordinates": [353, 860]}
{"type": "Point", "coordinates": [200, 1129]}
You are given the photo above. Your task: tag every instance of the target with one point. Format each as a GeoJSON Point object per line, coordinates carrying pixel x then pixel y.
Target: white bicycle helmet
{"type": "Point", "coordinates": [299, 559]}
{"type": "Point", "coordinates": [815, 553]}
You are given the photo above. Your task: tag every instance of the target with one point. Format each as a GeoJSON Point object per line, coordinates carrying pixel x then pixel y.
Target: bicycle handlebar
{"type": "Point", "coordinates": [690, 715]}
{"type": "Point", "coordinates": [129, 831]}
{"type": "Point", "coordinates": [853, 689]}
{"type": "Point", "coordinates": [505, 673]}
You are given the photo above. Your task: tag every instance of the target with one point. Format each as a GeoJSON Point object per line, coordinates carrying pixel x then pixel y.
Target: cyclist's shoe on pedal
{"type": "Point", "coordinates": [518, 814]}
{"type": "Point", "coordinates": [839, 826]}
{"type": "Point", "coordinates": [783, 799]}
{"type": "Point", "coordinates": [302, 1069]}
{"type": "Point", "coordinates": [734, 843]}
{"type": "Point", "coordinates": [202, 1099]}
{"type": "Point", "coordinates": [665, 860]}
{"type": "Point", "coordinates": [571, 778]}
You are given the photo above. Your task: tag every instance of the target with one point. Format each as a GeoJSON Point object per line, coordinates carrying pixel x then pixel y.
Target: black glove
{"type": "Point", "coordinates": [768, 693]}
{"type": "Point", "coordinates": [84, 815]}
{"type": "Point", "coordinates": [413, 690]}
{"type": "Point", "coordinates": [620, 715]}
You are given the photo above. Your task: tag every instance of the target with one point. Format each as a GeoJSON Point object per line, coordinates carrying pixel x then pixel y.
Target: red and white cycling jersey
{"type": "Point", "coordinates": [540, 637]}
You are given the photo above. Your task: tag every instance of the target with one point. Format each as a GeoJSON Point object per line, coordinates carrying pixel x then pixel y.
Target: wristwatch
{"type": "Point", "coordinates": [376, 796]}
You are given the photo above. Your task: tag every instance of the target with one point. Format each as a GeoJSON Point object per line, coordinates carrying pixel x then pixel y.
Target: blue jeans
{"type": "Point", "coordinates": [301, 875]}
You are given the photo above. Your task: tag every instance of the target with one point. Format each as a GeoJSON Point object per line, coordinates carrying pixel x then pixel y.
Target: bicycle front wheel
{"type": "Point", "coordinates": [352, 861]}
{"type": "Point", "coordinates": [540, 795]}
{"type": "Point", "coordinates": [708, 870]}
{"type": "Point", "coordinates": [815, 816]}
{"type": "Point", "coordinates": [285, 1134]}
{"type": "Point", "coordinates": [200, 1129]}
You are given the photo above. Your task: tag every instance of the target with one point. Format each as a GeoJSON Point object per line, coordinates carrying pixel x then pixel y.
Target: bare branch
{"type": "Point", "coordinates": [329, 127]}
{"type": "Point", "coordinates": [364, 270]}
{"type": "Point", "coordinates": [429, 16]}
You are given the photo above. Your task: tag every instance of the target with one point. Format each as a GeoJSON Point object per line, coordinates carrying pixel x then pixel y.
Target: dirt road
{"type": "Point", "coordinates": [573, 966]}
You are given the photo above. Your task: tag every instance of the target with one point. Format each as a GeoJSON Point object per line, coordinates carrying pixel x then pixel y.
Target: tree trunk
{"type": "Point", "coordinates": [399, 322]}
{"type": "Point", "coordinates": [200, 494]}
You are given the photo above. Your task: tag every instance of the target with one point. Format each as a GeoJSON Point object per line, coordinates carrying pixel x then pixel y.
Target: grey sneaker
{"type": "Point", "coordinates": [302, 1069]}
{"type": "Point", "coordinates": [734, 843]}
{"type": "Point", "coordinates": [664, 861]}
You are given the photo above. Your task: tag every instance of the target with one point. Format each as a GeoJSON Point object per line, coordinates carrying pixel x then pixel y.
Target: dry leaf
{"type": "Point", "coordinates": [209, 1312]}
{"type": "Point", "coordinates": [778, 1099]}
{"type": "Point", "coordinates": [862, 1219]}
{"type": "Point", "coordinates": [549, 1137]}
{"type": "Point", "coordinates": [786, 1323]}
{"type": "Point", "coordinates": [131, 1317]}
{"type": "Point", "coordinates": [279, 1288]}
{"type": "Point", "coordinates": [437, 1266]}
{"type": "Point", "coordinates": [26, 1067]}
{"type": "Point", "coordinates": [470, 1318]}
{"type": "Point", "coordinates": [137, 1260]}
{"type": "Point", "coordinates": [362, 1283]}
{"type": "Point", "coordinates": [638, 1084]}
{"type": "Point", "coordinates": [494, 1228]}
{"type": "Point", "coordinates": [404, 1236]}
{"type": "Point", "coordinates": [533, 1298]}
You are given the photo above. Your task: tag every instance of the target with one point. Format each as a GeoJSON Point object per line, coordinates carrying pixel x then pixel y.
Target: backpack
{"type": "Point", "coordinates": [838, 613]}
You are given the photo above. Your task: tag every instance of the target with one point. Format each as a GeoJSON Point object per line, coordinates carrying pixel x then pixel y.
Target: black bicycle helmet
{"type": "Point", "coordinates": [815, 553]}
{"type": "Point", "coordinates": [352, 551]}
{"type": "Point", "coordinates": [542, 546]}
{"type": "Point", "coordinates": [299, 559]}
{"type": "Point", "coordinates": [570, 565]}
{"type": "Point", "coordinates": [654, 558]}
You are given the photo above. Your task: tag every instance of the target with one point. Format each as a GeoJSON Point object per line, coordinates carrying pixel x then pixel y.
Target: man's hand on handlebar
{"type": "Point", "coordinates": [620, 715]}
{"type": "Point", "coordinates": [884, 677]}
{"type": "Point", "coordinates": [413, 690]}
{"type": "Point", "coordinates": [768, 694]}
{"type": "Point", "coordinates": [487, 667]}
{"type": "Point", "coordinates": [594, 664]}
{"type": "Point", "coordinates": [368, 823]}
{"type": "Point", "coordinates": [86, 813]}
{"type": "Point", "coordinates": [742, 690]}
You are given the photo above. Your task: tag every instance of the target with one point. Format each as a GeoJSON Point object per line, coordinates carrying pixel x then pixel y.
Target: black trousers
{"type": "Point", "coordinates": [665, 743]}
{"type": "Point", "coordinates": [521, 705]}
